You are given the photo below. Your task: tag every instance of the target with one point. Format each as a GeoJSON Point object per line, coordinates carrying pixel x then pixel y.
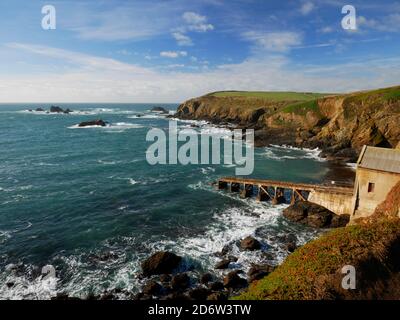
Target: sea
{"type": "Point", "coordinates": [86, 203]}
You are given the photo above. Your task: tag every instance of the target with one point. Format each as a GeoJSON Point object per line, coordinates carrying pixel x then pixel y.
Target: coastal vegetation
{"type": "Point", "coordinates": [271, 95]}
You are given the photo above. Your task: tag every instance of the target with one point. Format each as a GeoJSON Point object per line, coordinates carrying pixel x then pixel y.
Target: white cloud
{"type": "Point", "coordinates": [307, 7]}
{"type": "Point", "coordinates": [197, 22]}
{"type": "Point", "coordinates": [193, 22]}
{"type": "Point", "coordinates": [274, 41]}
{"type": "Point", "coordinates": [193, 18]}
{"type": "Point", "coordinates": [97, 79]}
{"type": "Point", "coordinates": [326, 30]}
{"type": "Point", "coordinates": [182, 39]}
{"type": "Point", "coordinates": [173, 54]}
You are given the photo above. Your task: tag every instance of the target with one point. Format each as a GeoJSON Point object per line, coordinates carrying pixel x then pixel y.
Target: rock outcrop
{"type": "Point", "coordinates": [162, 262]}
{"type": "Point", "coordinates": [250, 244]}
{"type": "Point", "coordinates": [159, 109]}
{"type": "Point", "coordinates": [339, 125]}
{"type": "Point", "coordinates": [99, 123]}
{"type": "Point", "coordinates": [314, 215]}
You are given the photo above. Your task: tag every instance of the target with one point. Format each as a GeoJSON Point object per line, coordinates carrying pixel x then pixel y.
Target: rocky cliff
{"type": "Point", "coordinates": [338, 124]}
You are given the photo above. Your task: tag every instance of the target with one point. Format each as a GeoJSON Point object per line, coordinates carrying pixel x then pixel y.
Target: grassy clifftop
{"type": "Point", "coordinates": [331, 122]}
{"type": "Point", "coordinates": [270, 95]}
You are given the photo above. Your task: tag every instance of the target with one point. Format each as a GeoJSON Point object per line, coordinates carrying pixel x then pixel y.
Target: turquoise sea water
{"type": "Point", "coordinates": [86, 201]}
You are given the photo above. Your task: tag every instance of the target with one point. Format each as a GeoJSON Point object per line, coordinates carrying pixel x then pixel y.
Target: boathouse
{"type": "Point", "coordinates": [378, 171]}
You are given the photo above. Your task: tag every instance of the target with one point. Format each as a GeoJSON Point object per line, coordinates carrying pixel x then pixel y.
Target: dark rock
{"type": "Point", "coordinates": [67, 111]}
{"type": "Point", "coordinates": [225, 250]}
{"type": "Point", "coordinates": [142, 297]}
{"type": "Point", "coordinates": [103, 257]}
{"type": "Point", "coordinates": [99, 123]}
{"type": "Point", "coordinates": [160, 263]}
{"type": "Point", "coordinates": [39, 110]}
{"type": "Point", "coordinates": [224, 264]}
{"type": "Point", "coordinates": [319, 218]}
{"type": "Point", "coordinates": [291, 246]}
{"type": "Point", "coordinates": [217, 296]}
{"type": "Point", "coordinates": [199, 293]}
{"type": "Point", "coordinates": [107, 296]}
{"type": "Point", "coordinates": [250, 243]}
{"type": "Point", "coordinates": [55, 109]}
{"type": "Point", "coordinates": [177, 297]}
{"type": "Point", "coordinates": [232, 259]}
{"type": "Point", "coordinates": [159, 109]}
{"type": "Point", "coordinates": [216, 286]}
{"type": "Point", "coordinates": [233, 281]}
{"type": "Point", "coordinates": [339, 221]}
{"type": "Point", "coordinates": [313, 215]}
{"type": "Point", "coordinates": [206, 278]}
{"type": "Point", "coordinates": [296, 212]}
{"type": "Point", "coordinates": [152, 288]}
{"type": "Point", "coordinates": [258, 272]}
{"type": "Point", "coordinates": [63, 297]}
{"type": "Point", "coordinates": [165, 278]}
{"type": "Point", "coordinates": [180, 281]}
{"type": "Point", "coordinates": [10, 284]}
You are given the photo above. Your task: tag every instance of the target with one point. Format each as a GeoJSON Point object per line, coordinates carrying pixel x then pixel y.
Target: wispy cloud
{"type": "Point", "coordinates": [193, 22]}
{"type": "Point", "coordinates": [173, 54]}
{"type": "Point", "coordinates": [307, 8]}
{"type": "Point", "coordinates": [274, 41]}
{"type": "Point", "coordinates": [197, 22]}
{"type": "Point", "coordinates": [182, 39]}
{"type": "Point", "coordinates": [389, 23]}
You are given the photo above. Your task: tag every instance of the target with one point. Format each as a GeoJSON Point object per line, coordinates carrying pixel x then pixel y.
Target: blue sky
{"type": "Point", "coordinates": [171, 50]}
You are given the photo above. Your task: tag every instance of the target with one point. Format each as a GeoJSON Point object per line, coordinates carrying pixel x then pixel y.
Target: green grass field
{"type": "Point", "coordinates": [273, 96]}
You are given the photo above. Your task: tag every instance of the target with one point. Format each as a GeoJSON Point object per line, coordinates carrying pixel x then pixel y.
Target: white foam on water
{"type": "Point", "coordinates": [133, 182]}
{"type": "Point", "coordinates": [4, 236]}
{"type": "Point", "coordinates": [118, 126]}
{"type": "Point", "coordinates": [87, 112]}
{"type": "Point", "coordinates": [312, 154]}
{"type": "Point", "coordinates": [149, 116]}
{"type": "Point", "coordinates": [38, 289]}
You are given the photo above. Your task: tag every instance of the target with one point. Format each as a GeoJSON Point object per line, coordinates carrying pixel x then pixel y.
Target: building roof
{"type": "Point", "coordinates": [380, 159]}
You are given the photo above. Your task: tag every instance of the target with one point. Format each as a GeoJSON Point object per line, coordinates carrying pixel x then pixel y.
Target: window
{"type": "Point", "coordinates": [371, 187]}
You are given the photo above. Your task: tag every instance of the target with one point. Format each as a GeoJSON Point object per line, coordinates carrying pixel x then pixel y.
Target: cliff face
{"type": "Point", "coordinates": [339, 124]}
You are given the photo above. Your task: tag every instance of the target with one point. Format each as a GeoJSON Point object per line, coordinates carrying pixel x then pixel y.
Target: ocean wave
{"type": "Point", "coordinates": [88, 112]}
{"type": "Point", "coordinates": [280, 153]}
{"type": "Point", "coordinates": [118, 126]}
{"type": "Point", "coordinates": [24, 288]}
{"type": "Point", "coordinates": [149, 116]}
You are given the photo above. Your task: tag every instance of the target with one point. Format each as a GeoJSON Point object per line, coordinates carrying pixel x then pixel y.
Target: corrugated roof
{"type": "Point", "coordinates": [380, 159]}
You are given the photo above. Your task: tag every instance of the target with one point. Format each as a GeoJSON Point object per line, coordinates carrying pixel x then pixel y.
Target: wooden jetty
{"type": "Point", "coordinates": [276, 190]}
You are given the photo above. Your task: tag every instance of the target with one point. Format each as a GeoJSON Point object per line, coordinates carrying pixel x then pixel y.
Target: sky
{"type": "Point", "coordinates": [172, 50]}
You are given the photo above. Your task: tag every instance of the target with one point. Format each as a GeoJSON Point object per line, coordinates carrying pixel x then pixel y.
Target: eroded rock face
{"type": "Point", "coordinates": [339, 125]}
{"type": "Point", "coordinates": [162, 262]}
{"type": "Point", "coordinates": [314, 215]}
